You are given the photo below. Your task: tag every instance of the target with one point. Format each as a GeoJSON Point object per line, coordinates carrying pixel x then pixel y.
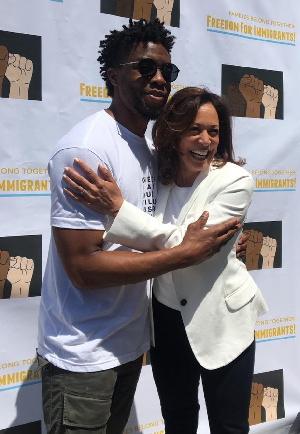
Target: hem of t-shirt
{"type": "Point", "coordinates": [109, 364]}
{"type": "Point", "coordinates": [68, 223]}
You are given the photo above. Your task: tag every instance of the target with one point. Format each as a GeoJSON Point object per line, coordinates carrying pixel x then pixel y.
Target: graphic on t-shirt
{"type": "Point", "coordinates": [253, 93]}
{"type": "Point", "coordinates": [20, 266]}
{"type": "Point", "coordinates": [264, 245]}
{"type": "Point", "coordinates": [28, 428]}
{"type": "Point", "coordinates": [168, 11]}
{"type": "Point", "coordinates": [20, 66]}
{"type": "Point", "coordinates": [149, 201]}
{"type": "Point", "coordinates": [267, 397]}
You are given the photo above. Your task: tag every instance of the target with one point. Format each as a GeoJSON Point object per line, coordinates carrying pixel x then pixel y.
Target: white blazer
{"type": "Point", "coordinates": [219, 300]}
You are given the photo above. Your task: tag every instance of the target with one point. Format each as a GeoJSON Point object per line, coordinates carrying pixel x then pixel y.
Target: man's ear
{"type": "Point", "coordinates": [113, 76]}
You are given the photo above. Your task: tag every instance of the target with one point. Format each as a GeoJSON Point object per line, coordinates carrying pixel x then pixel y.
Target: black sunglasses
{"type": "Point", "coordinates": [148, 68]}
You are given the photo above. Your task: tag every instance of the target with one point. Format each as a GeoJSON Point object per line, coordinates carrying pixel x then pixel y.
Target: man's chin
{"type": "Point", "coordinates": [148, 113]}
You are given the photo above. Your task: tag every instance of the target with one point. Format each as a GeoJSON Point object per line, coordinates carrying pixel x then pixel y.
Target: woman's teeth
{"type": "Point", "coordinates": [199, 153]}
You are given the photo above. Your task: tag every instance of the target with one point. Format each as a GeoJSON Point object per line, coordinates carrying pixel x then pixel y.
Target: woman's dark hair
{"type": "Point", "coordinates": [178, 115]}
{"type": "Point", "coordinates": [116, 46]}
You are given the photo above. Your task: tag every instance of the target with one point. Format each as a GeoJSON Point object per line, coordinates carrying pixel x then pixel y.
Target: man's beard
{"type": "Point", "coordinates": [149, 113]}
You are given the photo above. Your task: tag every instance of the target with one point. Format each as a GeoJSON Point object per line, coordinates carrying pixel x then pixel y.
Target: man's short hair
{"type": "Point", "coordinates": [116, 46]}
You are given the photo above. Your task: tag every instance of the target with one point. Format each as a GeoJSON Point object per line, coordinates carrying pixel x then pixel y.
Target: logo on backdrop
{"type": "Point", "coordinates": [267, 397]}
{"type": "Point", "coordinates": [20, 66]}
{"type": "Point", "coordinates": [24, 181]}
{"type": "Point", "coordinates": [252, 27]}
{"type": "Point", "coordinates": [19, 374]}
{"type": "Point", "coordinates": [167, 11]}
{"type": "Point", "coordinates": [253, 93]}
{"type": "Point", "coordinates": [93, 93]}
{"type": "Point", "coordinates": [20, 266]}
{"type": "Point", "coordinates": [275, 329]}
{"type": "Point", "coordinates": [274, 180]}
{"type": "Point", "coordinates": [264, 245]}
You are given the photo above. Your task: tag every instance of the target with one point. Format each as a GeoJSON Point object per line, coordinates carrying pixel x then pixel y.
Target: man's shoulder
{"type": "Point", "coordinates": [91, 133]}
{"type": "Point", "coordinates": [78, 134]}
{"type": "Point", "coordinates": [88, 121]}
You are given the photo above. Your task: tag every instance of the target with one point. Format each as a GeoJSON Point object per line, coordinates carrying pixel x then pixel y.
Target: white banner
{"type": "Point", "coordinates": [49, 80]}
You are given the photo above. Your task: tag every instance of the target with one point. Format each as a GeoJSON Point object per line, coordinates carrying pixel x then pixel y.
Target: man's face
{"type": "Point", "coordinates": [143, 95]}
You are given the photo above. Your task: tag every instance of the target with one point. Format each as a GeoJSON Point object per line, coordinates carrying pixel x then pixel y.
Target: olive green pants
{"type": "Point", "coordinates": [89, 402]}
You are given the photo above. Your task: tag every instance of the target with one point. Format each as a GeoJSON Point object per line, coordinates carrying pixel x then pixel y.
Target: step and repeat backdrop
{"type": "Point", "coordinates": [49, 80]}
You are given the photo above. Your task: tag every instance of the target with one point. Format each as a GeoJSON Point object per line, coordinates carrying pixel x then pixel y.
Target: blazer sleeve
{"type": "Point", "coordinates": [232, 201]}
{"type": "Point", "coordinates": [135, 229]}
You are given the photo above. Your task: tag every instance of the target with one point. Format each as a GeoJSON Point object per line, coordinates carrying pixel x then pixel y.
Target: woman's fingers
{"type": "Point", "coordinates": [73, 195]}
{"type": "Point", "coordinates": [83, 188]}
{"type": "Point", "coordinates": [106, 174]}
{"type": "Point", "coordinates": [75, 185]}
{"type": "Point", "coordinates": [91, 175]}
{"type": "Point", "coordinates": [91, 178]}
{"type": "Point", "coordinates": [74, 179]}
{"type": "Point", "coordinates": [101, 195]}
{"type": "Point", "coordinates": [78, 192]}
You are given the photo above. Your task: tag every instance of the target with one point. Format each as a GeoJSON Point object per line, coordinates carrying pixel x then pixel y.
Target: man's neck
{"type": "Point", "coordinates": [134, 122]}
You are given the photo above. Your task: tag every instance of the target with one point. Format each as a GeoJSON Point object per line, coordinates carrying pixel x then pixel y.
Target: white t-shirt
{"type": "Point", "coordinates": [163, 287]}
{"type": "Point", "coordinates": [92, 330]}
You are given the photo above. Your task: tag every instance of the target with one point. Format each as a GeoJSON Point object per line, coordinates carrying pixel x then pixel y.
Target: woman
{"type": "Point", "coordinates": [204, 316]}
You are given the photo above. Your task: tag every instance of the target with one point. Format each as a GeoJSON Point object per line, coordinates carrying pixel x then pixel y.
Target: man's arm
{"type": "Point", "coordinates": [89, 267]}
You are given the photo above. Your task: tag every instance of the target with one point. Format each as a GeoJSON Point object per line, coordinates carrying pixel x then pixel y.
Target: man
{"type": "Point", "coordinates": [93, 322]}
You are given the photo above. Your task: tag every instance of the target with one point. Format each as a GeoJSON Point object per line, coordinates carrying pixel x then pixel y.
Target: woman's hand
{"type": "Point", "coordinates": [101, 195]}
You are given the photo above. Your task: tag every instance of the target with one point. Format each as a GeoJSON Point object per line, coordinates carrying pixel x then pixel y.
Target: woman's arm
{"type": "Point", "coordinates": [134, 228]}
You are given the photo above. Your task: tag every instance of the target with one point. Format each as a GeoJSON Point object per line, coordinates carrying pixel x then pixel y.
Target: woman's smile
{"type": "Point", "coordinates": [198, 145]}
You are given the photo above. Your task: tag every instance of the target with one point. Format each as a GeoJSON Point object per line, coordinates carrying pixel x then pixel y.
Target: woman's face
{"type": "Point", "coordinates": [198, 145]}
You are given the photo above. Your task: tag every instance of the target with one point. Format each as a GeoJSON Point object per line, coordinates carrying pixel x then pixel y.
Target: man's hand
{"type": "Point", "coordinates": [4, 266]}
{"type": "Point", "coordinates": [202, 244]}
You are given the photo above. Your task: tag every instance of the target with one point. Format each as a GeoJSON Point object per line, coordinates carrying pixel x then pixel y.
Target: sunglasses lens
{"type": "Point", "coordinates": [169, 71]}
{"type": "Point", "coordinates": [147, 67]}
